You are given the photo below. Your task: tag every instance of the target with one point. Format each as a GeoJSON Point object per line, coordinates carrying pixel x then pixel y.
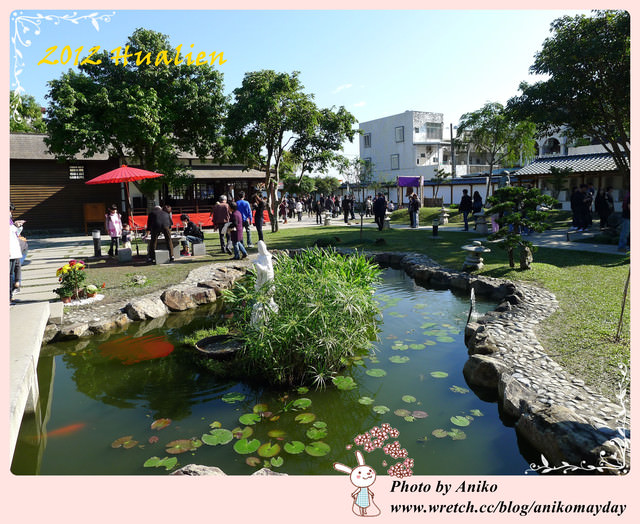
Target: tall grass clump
{"type": "Point", "coordinates": [326, 314]}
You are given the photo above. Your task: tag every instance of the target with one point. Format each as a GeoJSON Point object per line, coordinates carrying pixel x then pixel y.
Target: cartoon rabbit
{"type": "Point", "coordinates": [362, 476]}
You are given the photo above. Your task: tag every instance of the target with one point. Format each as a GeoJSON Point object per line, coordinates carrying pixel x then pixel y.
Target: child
{"type": "Point", "coordinates": [113, 225]}
{"type": "Point", "coordinates": [126, 237]}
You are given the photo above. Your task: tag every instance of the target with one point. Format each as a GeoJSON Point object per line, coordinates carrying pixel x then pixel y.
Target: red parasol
{"type": "Point", "coordinates": [123, 174]}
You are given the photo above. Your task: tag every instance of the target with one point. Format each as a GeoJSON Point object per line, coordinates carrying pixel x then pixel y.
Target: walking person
{"type": "Point", "coordinates": [15, 254]}
{"type": "Point", "coordinates": [379, 210]}
{"type": "Point", "coordinates": [317, 207]}
{"type": "Point", "coordinates": [345, 208]}
{"type": "Point", "coordinates": [245, 211]}
{"type": "Point", "coordinates": [414, 210]}
{"type": "Point", "coordinates": [159, 221]}
{"type": "Point", "coordinates": [368, 206]}
{"type": "Point", "coordinates": [465, 207]}
{"type": "Point", "coordinates": [220, 215]}
{"type": "Point", "coordinates": [258, 206]}
{"type": "Point", "coordinates": [236, 235]}
{"type": "Point", "coordinates": [299, 210]}
{"type": "Point", "coordinates": [113, 226]}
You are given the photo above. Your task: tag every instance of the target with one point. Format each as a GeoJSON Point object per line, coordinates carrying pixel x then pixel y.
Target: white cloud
{"type": "Point", "coordinates": [360, 104]}
{"type": "Point", "coordinates": [342, 87]}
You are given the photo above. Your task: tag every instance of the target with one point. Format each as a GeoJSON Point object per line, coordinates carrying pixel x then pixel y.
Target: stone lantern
{"type": "Point", "coordinates": [474, 261]}
{"type": "Point", "coordinates": [444, 216]}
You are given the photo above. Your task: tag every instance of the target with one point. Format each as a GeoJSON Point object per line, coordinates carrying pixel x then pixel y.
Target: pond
{"type": "Point", "coordinates": [137, 402]}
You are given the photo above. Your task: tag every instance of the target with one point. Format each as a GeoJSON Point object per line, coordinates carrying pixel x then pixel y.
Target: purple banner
{"type": "Point", "coordinates": [409, 181]}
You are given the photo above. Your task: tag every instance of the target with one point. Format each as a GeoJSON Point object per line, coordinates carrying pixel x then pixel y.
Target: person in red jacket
{"type": "Point", "coordinates": [236, 236]}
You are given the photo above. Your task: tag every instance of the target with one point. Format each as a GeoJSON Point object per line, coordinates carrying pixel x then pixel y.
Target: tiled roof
{"type": "Point", "coordinates": [577, 164]}
{"type": "Point", "coordinates": [27, 146]}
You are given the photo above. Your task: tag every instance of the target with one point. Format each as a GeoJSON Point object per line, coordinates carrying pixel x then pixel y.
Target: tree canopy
{"type": "Point", "coordinates": [587, 60]}
{"type": "Point", "coordinates": [142, 110]}
{"type": "Point", "coordinates": [26, 114]}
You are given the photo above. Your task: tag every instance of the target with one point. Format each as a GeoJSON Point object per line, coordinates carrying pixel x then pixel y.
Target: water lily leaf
{"type": "Point", "coordinates": [176, 447]}
{"type": "Point", "coordinates": [253, 461]}
{"type": "Point", "coordinates": [166, 462]}
{"type": "Point", "coordinates": [397, 359]}
{"type": "Point", "coordinates": [276, 462]}
{"type": "Point", "coordinates": [445, 339]}
{"type": "Point", "coordinates": [319, 424]}
{"type": "Point", "coordinates": [358, 362]}
{"type": "Point", "coordinates": [344, 383]}
{"type": "Point", "coordinates": [260, 408]}
{"type": "Point", "coordinates": [439, 374]}
{"type": "Point", "coordinates": [419, 414]}
{"type": "Point", "coordinates": [245, 446]}
{"type": "Point", "coordinates": [161, 423]}
{"type": "Point", "coordinates": [215, 424]}
{"type": "Point", "coordinates": [408, 399]}
{"type": "Point", "coordinates": [153, 440]}
{"type": "Point", "coordinates": [316, 434]}
{"type": "Point", "coordinates": [457, 434]}
{"type": "Point", "coordinates": [374, 360]}
{"type": "Point", "coordinates": [439, 433]}
{"type": "Point", "coordinates": [458, 389]}
{"type": "Point", "coordinates": [276, 433]}
{"type": "Point", "coordinates": [305, 418]}
{"type": "Point", "coordinates": [476, 413]}
{"type": "Point", "coordinates": [422, 440]}
{"type": "Point", "coordinates": [429, 342]}
{"type": "Point", "coordinates": [400, 347]}
{"type": "Point", "coordinates": [469, 417]}
{"type": "Point", "coordinates": [274, 418]}
{"type": "Point", "coordinates": [402, 412]}
{"type": "Point", "coordinates": [390, 337]}
{"type": "Point", "coordinates": [124, 442]}
{"type": "Point", "coordinates": [232, 397]}
{"type": "Point", "coordinates": [217, 437]}
{"type": "Point", "coordinates": [249, 419]}
{"type": "Point", "coordinates": [317, 449]}
{"type": "Point", "coordinates": [460, 421]}
{"type": "Point", "coordinates": [427, 325]}
{"type": "Point", "coordinates": [417, 347]}
{"type": "Point", "coordinates": [409, 418]}
{"type": "Point", "coordinates": [381, 410]}
{"type": "Point", "coordinates": [396, 314]}
{"type": "Point", "coordinates": [294, 447]}
{"type": "Point", "coordinates": [302, 390]}
{"type": "Point", "coordinates": [302, 403]}
{"type": "Point", "coordinates": [268, 450]}
{"type": "Point", "coordinates": [376, 372]}
{"type": "Point", "coordinates": [367, 401]}
{"type": "Point", "coordinates": [245, 432]}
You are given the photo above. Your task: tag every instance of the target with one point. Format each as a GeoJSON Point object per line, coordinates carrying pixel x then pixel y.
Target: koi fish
{"type": "Point", "coordinates": [67, 430]}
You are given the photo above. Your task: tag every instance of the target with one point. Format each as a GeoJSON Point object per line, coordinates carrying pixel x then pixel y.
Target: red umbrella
{"type": "Point", "coordinates": [124, 174]}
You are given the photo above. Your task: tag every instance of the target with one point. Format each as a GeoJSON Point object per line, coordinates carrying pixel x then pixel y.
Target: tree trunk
{"type": "Point", "coordinates": [273, 205]}
{"type": "Point", "coordinates": [510, 253]}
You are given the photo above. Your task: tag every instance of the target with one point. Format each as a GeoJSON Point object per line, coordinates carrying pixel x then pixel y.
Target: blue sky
{"type": "Point", "coordinates": [375, 63]}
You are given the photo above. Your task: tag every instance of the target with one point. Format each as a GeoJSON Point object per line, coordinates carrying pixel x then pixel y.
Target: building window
{"type": "Point", "coordinates": [416, 130]}
{"type": "Point", "coordinates": [400, 134]}
{"type": "Point", "coordinates": [366, 168]}
{"type": "Point", "coordinates": [76, 172]}
{"type": "Point", "coordinates": [423, 155]}
{"type": "Point", "coordinates": [367, 140]}
{"type": "Point", "coordinates": [395, 162]}
{"type": "Point", "coordinates": [431, 130]}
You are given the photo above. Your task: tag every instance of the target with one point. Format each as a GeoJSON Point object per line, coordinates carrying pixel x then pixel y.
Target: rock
{"type": "Point", "coordinates": [482, 343]}
{"type": "Point", "coordinates": [72, 331]}
{"type": "Point", "coordinates": [516, 397]}
{"type": "Point", "coordinates": [177, 300]}
{"type": "Point", "coordinates": [526, 258]}
{"type": "Point", "coordinates": [440, 279]}
{"type": "Point", "coordinates": [483, 371]}
{"type": "Point", "coordinates": [212, 284]}
{"type": "Point", "coordinates": [202, 295]}
{"type": "Point", "coordinates": [484, 287]}
{"type": "Point", "coordinates": [471, 329]}
{"type": "Point", "coordinates": [50, 332]}
{"type": "Point", "coordinates": [109, 324]}
{"type": "Point", "coordinates": [146, 307]}
{"type": "Point", "coordinates": [460, 282]}
{"type": "Point", "coordinates": [266, 472]}
{"type": "Point", "coordinates": [198, 470]}
{"type": "Point", "coordinates": [563, 436]}
{"type": "Point", "coordinates": [422, 276]}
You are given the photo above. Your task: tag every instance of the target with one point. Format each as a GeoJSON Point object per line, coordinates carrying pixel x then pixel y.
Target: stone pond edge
{"type": "Point", "coordinates": [575, 428]}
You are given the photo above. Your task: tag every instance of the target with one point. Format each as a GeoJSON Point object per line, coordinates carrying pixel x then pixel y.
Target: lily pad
{"type": "Point", "coordinates": [476, 413]}
{"type": "Point", "coordinates": [459, 421]}
{"type": "Point", "coordinates": [427, 325]}
{"type": "Point", "coordinates": [316, 433]}
{"type": "Point", "coordinates": [269, 450]}
{"type": "Point", "coordinates": [458, 389]}
{"type": "Point", "coordinates": [422, 440]}
{"type": "Point", "coordinates": [397, 359]}
{"type": "Point", "coordinates": [245, 446]}
{"type": "Point", "coordinates": [409, 418]}
{"type": "Point", "coordinates": [153, 439]}
{"type": "Point", "coordinates": [367, 401]}
{"type": "Point", "coordinates": [445, 339]}
{"type": "Point", "coordinates": [408, 399]}
{"type": "Point", "coordinates": [253, 461]}
{"type": "Point", "coordinates": [302, 403]}
{"type": "Point", "coordinates": [175, 447]}
{"type": "Point", "coordinates": [400, 347]}
{"type": "Point", "coordinates": [457, 434]}
{"type": "Point", "coordinates": [260, 408]}
{"type": "Point", "coordinates": [428, 342]}
{"type": "Point", "coordinates": [381, 410]}
{"type": "Point", "coordinates": [294, 447]}
{"type": "Point", "coordinates": [305, 418]}
{"type": "Point", "coordinates": [277, 433]}
{"type": "Point", "coordinates": [245, 432]}
{"type": "Point", "coordinates": [215, 424]}
{"type": "Point", "coordinates": [396, 314]}
{"type": "Point", "coordinates": [344, 383]}
{"type": "Point", "coordinates": [439, 374]}
{"type": "Point", "coordinates": [402, 412]}
{"type": "Point", "coordinates": [319, 424]}
{"type": "Point", "coordinates": [161, 423]}
{"type": "Point", "coordinates": [232, 397]}
{"type": "Point", "coordinates": [302, 390]}
{"type": "Point", "coordinates": [217, 437]}
{"type": "Point", "coordinates": [317, 449]}
{"type": "Point", "coordinates": [419, 414]}
{"type": "Point", "coordinates": [249, 419]}
{"type": "Point", "coordinates": [124, 442]}
{"type": "Point", "coordinates": [439, 433]}
{"type": "Point", "coordinates": [276, 462]}
{"type": "Point", "coordinates": [166, 462]}
{"type": "Point", "coordinates": [417, 347]}
{"type": "Point", "coordinates": [376, 372]}
{"type": "Point", "coordinates": [374, 360]}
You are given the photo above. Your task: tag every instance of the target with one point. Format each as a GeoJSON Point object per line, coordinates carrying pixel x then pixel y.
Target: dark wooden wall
{"type": "Point", "coordinates": [47, 199]}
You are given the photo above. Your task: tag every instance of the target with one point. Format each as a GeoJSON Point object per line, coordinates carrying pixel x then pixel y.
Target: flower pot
{"type": "Point", "coordinates": [65, 300]}
{"type": "Point", "coordinates": [91, 295]}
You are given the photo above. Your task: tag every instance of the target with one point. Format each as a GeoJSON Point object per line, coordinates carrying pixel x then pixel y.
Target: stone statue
{"type": "Point", "coordinates": [264, 276]}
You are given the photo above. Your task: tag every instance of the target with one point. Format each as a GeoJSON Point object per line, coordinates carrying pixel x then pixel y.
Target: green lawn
{"type": "Point", "coordinates": [589, 287]}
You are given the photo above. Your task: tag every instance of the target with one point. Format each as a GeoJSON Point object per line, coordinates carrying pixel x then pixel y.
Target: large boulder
{"type": "Point", "coordinates": [198, 470]}
{"type": "Point", "coordinates": [177, 300]}
{"type": "Point", "coordinates": [146, 307]}
{"type": "Point", "coordinates": [516, 397]}
{"type": "Point", "coordinates": [483, 371]}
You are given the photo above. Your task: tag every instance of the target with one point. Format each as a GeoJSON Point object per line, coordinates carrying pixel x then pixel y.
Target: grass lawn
{"type": "Point", "coordinates": [588, 286]}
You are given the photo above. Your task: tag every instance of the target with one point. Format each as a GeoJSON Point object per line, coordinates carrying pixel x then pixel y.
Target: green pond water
{"type": "Point", "coordinates": [108, 391]}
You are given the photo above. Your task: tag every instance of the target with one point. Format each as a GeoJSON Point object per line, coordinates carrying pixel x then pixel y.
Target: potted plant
{"type": "Point", "coordinates": [71, 277]}
{"type": "Point", "coordinates": [64, 293]}
{"type": "Point", "coordinates": [91, 291]}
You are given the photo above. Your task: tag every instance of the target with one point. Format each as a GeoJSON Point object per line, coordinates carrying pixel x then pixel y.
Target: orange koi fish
{"type": "Point", "coordinates": [66, 430]}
